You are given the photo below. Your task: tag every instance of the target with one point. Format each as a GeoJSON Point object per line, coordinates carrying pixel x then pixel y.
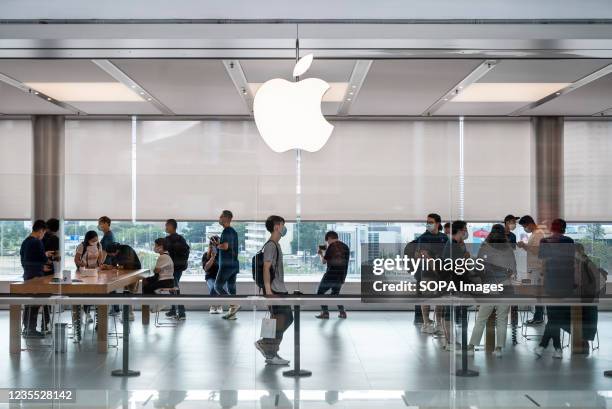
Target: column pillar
{"type": "Point", "coordinates": [548, 139]}
{"type": "Point", "coordinates": [48, 159]}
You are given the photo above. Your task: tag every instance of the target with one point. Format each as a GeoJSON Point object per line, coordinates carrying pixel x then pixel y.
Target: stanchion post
{"type": "Point", "coordinates": [125, 371]}
{"type": "Point", "coordinates": [297, 371]}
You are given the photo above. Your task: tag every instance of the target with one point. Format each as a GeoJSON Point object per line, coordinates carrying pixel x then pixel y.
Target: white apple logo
{"type": "Point", "coordinates": [288, 114]}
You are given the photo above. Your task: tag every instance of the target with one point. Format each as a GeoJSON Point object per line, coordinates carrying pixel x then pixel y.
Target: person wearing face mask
{"type": "Point", "coordinates": [274, 285]}
{"type": "Point", "coordinates": [89, 255]}
{"type": "Point", "coordinates": [34, 262]}
{"type": "Point", "coordinates": [510, 226]}
{"type": "Point", "coordinates": [430, 244]}
{"type": "Point", "coordinates": [163, 272]}
{"type": "Point", "coordinates": [179, 253]}
{"type": "Point", "coordinates": [535, 268]}
{"type": "Point", "coordinates": [336, 257]}
{"type": "Point", "coordinates": [229, 267]}
{"type": "Point", "coordinates": [108, 238]}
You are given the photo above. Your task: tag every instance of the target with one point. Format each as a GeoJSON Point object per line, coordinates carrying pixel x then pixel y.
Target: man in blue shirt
{"type": "Point", "coordinates": [229, 266]}
{"type": "Point", "coordinates": [34, 262]}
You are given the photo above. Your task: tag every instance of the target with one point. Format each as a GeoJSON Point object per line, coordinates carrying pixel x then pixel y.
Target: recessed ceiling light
{"type": "Point", "coordinates": [335, 93]}
{"type": "Point", "coordinates": [507, 92]}
{"type": "Point", "coordinates": [86, 91]}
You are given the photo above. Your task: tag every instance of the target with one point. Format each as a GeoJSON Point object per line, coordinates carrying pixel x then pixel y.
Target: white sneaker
{"type": "Point", "coordinates": [497, 352]}
{"type": "Point", "coordinates": [88, 318]}
{"type": "Point", "coordinates": [558, 354]}
{"type": "Point", "coordinates": [231, 314]}
{"type": "Point", "coordinates": [260, 348]}
{"type": "Point", "coordinates": [539, 351]}
{"type": "Point", "coordinates": [219, 309]}
{"type": "Point", "coordinates": [212, 310]}
{"type": "Point", "coordinates": [277, 360]}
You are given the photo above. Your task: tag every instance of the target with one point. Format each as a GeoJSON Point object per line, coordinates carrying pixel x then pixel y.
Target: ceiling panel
{"type": "Point", "coordinates": [116, 108]}
{"type": "Point", "coordinates": [542, 70]}
{"type": "Point", "coordinates": [187, 87]}
{"type": "Point", "coordinates": [408, 87]}
{"type": "Point", "coordinates": [54, 71]}
{"type": "Point", "coordinates": [586, 100]}
{"type": "Point", "coordinates": [478, 108]}
{"type": "Point", "coordinates": [15, 101]}
{"type": "Point", "coordinates": [329, 70]}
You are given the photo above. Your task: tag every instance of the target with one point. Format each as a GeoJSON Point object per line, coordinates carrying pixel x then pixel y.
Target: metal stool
{"type": "Point", "coordinates": [594, 345]}
{"type": "Point", "coordinates": [524, 315]}
{"type": "Point", "coordinates": [165, 323]}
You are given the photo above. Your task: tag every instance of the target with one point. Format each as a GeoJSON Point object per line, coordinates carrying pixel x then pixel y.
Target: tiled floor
{"type": "Point", "coordinates": [372, 359]}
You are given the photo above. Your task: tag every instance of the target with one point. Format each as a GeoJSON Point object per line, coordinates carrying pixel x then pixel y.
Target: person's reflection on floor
{"type": "Point", "coordinates": [275, 396]}
{"type": "Point", "coordinates": [169, 399]}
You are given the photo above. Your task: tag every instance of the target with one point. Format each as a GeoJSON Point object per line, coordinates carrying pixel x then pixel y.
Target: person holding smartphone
{"type": "Point", "coordinates": [210, 264]}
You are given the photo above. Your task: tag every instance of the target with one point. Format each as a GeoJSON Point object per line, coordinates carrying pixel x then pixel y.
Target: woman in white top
{"type": "Point", "coordinates": [164, 270]}
{"type": "Point", "coordinates": [89, 253]}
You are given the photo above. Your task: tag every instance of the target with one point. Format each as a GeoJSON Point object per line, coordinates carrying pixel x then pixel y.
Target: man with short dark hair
{"type": "Point", "coordinates": [274, 285]}
{"type": "Point", "coordinates": [51, 243]}
{"type": "Point", "coordinates": [510, 225]}
{"type": "Point", "coordinates": [34, 262]}
{"type": "Point", "coordinates": [179, 253]}
{"type": "Point", "coordinates": [229, 266]}
{"type": "Point", "coordinates": [123, 256]}
{"type": "Point", "coordinates": [558, 253]}
{"type": "Point", "coordinates": [447, 228]}
{"type": "Point", "coordinates": [534, 264]}
{"type": "Point", "coordinates": [108, 238]}
{"type": "Point", "coordinates": [336, 257]}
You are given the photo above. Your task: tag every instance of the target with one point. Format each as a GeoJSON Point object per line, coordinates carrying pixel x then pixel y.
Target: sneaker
{"type": "Point", "coordinates": [219, 309]}
{"type": "Point", "coordinates": [323, 316]}
{"type": "Point", "coordinates": [259, 346]}
{"type": "Point", "coordinates": [181, 317]}
{"type": "Point", "coordinates": [342, 315]}
{"type": "Point", "coordinates": [277, 360]}
{"type": "Point", "coordinates": [534, 322]}
{"type": "Point", "coordinates": [171, 314]}
{"type": "Point", "coordinates": [131, 317]}
{"type": "Point", "coordinates": [45, 331]}
{"type": "Point", "coordinates": [558, 354]}
{"type": "Point", "coordinates": [212, 310]}
{"type": "Point", "coordinates": [231, 314]}
{"type": "Point", "coordinates": [539, 351]}
{"type": "Point", "coordinates": [497, 352]}
{"type": "Point", "coordinates": [88, 318]}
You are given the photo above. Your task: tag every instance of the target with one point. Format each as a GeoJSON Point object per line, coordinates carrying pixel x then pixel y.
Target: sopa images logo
{"type": "Point", "coordinates": [288, 114]}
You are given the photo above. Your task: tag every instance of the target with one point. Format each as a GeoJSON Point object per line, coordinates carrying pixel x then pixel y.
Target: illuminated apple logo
{"type": "Point", "coordinates": [288, 114]}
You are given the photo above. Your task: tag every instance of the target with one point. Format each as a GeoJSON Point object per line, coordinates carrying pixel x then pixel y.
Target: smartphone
{"type": "Point", "coordinates": [322, 247]}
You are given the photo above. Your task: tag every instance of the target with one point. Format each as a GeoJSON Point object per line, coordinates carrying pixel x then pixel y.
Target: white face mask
{"type": "Point", "coordinates": [512, 226]}
{"type": "Point", "coordinates": [465, 235]}
{"type": "Point", "coordinates": [430, 227]}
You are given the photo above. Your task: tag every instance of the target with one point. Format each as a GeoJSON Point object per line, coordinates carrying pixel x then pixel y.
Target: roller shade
{"type": "Point", "coordinates": [98, 169]}
{"type": "Point", "coordinates": [16, 169]}
{"type": "Point", "coordinates": [192, 170]}
{"type": "Point", "coordinates": [497, 169]}
{"type": "Point", "coordinates": [383, 171]}
{"type": "Point", "coordinates": [588, 170]}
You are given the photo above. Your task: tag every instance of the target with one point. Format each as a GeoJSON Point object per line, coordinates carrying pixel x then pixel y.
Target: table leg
{"type": "Point", "coordinates": [76, 323]}
{"type": "Point", "coordinates": [297, 370]}
{"type": "Point", "coordinates": [490, 334]}
{"type": "Point", "coordinates": [464, 371]}
{"type": "Point", "coordinates": [576, 328]}
{"type": "Point", "coordinates": [102, 329]}
{"type": "Point", "coordinates": [125, 370]}
{"type": "Point", "coordinates": [146, 314]}
{"type": "Point", "coordinates": [15, 329]}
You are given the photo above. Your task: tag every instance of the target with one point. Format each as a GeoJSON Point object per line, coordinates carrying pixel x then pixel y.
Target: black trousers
{"type": "Point", "coordinates": [151, 284]}
{"type": "Point", "coordinates": [330, 284]}
{"type": "Point", "coordinates": [30, 317]}
{"type": "Point", "coordinates": [552, 330]}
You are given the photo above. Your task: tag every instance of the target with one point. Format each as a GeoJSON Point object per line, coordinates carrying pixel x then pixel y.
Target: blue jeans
{"type": "Point", "coordinates": [326, 285]}
{"type": "Point", "coordinates": [210, 282]}
{"type": "Point", "coordinates": [225, 284]}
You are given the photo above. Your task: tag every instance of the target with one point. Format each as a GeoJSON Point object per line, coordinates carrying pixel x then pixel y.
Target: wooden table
{"type": "Point", "coordinates": [105, 282]}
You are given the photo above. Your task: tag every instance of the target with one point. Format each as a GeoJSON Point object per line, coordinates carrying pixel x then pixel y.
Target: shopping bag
{"type": "Point", "coordinates": [268, 328]}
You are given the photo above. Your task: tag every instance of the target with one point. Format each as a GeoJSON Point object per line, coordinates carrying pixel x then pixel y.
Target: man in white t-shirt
{"type": "Point", "coordinates": [274, 286]}
{"type": "Point", "coordinates": [535, 268]}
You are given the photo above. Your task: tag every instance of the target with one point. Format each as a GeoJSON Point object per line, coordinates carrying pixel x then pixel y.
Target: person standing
{"type": "Point", "coordinates": [336, 257]}
{"type": "Point", "coordinates": [179, 253]}
{"type": "Point", "coordinates": [229, 267]}
{"type": "Point", "coordinates": [210, 264]}
{"type": "Point", "coordinates": [123, 256]}
{"type": "Point", "coordinates": [534, 264]}
{"type": "Point", "coordinates": [558, 253]}
{"type": "Point", "coordinates": [51, 242]}
{"type": "Point", "coordinates": [274, 286]}
{"type": "Point", "coordinates": [108, 238]}
{"type": "Point", "coordinates": [89, 255]}
{"type": "Point", "coordinates": [34, 262]}
{"type": "Point", "coordinates": [509, 227]}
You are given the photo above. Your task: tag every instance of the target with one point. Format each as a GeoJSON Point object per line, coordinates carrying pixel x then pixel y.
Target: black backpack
{"type": "Point", "coordinates": [257, 263]}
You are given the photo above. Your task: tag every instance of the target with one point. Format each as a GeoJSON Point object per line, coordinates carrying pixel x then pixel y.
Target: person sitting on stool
{"type": "Point", "coordinates": [164, 270]}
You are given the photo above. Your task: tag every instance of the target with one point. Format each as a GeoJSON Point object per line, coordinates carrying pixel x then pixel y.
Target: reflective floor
{"type": "Point", "coordinates": [373, 359]}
